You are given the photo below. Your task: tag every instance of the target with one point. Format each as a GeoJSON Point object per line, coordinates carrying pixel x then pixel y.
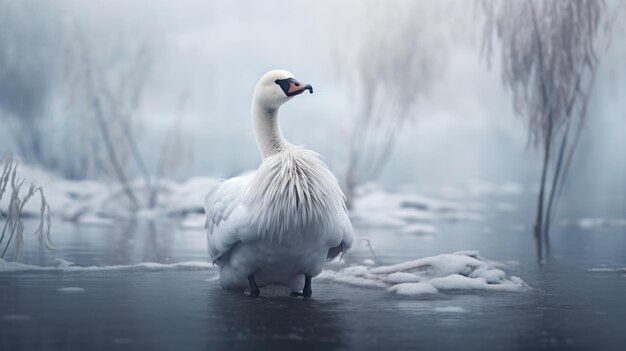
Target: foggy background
{"type": "Point", "coordinates": [205, 58]}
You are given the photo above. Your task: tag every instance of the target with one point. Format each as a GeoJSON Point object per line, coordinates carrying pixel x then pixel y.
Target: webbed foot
{"type": "Point", "coordinates": [307, 291]}
{"type": "Point", "coordinates": [254, 289]}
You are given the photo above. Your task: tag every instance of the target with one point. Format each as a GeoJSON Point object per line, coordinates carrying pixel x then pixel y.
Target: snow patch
{"type": "Point", "coordinates": [402, 277]}
{"type": "Point", "coordinates": [368, 262]}
{"type": "Point", "coordinates": [463, 270]}
{"type": "Point", "coordinates": [188, 197]}
{"type": "Point", "coordinates": [413, 289]}
{"type": "Point", "coordinates": [408, 211]}
{"type": "Point", "coordinates": [65, 266]}
{"type": "Point", "coordinates": [460, 282]}
{"type": "Point", "coordinates": [97, 203]}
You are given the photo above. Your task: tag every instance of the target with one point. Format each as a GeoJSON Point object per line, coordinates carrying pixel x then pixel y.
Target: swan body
{"type": "Point", "coordinates": [279, 224]}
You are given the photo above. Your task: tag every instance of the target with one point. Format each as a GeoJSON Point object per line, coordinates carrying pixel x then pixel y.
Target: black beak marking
{"type": "Point", "coordinates": [291, 87]}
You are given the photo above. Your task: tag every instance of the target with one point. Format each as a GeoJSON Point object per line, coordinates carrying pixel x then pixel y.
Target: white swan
{"type": "Point", "coordinates": [279, 224]}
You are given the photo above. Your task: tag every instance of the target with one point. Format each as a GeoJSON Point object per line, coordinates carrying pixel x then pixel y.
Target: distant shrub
{"type": "Point", "coordinates": [12, 216]}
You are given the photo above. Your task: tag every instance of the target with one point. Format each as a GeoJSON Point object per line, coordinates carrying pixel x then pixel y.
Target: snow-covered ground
{"type": "Point", "coordinates": [464, 270]}
{"type": "Point", "coordinates": [408, 212]}
{"type": "Point", "coordinates": [100, 203]}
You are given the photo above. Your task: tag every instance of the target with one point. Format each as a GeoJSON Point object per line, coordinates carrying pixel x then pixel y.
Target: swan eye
{"type": "Point", "coordinates": [285, 84]}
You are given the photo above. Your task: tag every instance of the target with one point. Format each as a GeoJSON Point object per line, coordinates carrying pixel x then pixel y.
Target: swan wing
{"type": "Point", "coordinates": [345, 231]}
{"type": "Point", "coordinates": [227, 218]}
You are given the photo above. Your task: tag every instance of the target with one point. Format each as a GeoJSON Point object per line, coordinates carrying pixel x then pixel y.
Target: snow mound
{"type": "Point", "coordinates": [412, 289]}
{"type": "Point", "coordinates": [68, 199]}
{"type": "Point", "coordinates": [407, 212]}
{"type": "Point", "coordinates": [65, 266]}
{"type": "Point", "coordinates": [463, 270]}
{"type": "Point", "coordinates": [188, 197]}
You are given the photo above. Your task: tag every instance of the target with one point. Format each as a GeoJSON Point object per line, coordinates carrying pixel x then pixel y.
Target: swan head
{"type": "Point", "coordinates": [277, 87]}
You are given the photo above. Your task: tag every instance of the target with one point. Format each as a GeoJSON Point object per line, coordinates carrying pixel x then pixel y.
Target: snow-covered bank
{"type": "Point", "coordinates": [100, 203]}
{"type": "Point", "coordinates": [408, 212]}
{"type": "Point", "coordinates": [464, 270]}
{"type": "Point", "coordinates": [97, 203]}
{"type": "Point", "coordinates": [69, 267]}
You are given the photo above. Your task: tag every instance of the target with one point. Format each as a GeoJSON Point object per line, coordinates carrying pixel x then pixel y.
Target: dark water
{"type": "Point", "coordinates": [568, 307]}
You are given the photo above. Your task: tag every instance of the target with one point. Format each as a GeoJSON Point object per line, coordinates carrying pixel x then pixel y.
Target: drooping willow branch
{"type": "Point", "coordinates": [549, 55]}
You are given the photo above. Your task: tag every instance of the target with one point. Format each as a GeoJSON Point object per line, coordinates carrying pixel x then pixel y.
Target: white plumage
{"type": "Point", "coordinates": [282, 222]}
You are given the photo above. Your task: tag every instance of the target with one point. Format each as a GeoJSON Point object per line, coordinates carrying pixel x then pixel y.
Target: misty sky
{"type": "Point", "coordinates": [464, 128]}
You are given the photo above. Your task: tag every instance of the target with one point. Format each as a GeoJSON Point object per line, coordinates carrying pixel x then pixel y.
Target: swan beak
{"type": "Point", "coordinates": [292, 87]}
{"type": "Point", "coordinates": [296, 88]}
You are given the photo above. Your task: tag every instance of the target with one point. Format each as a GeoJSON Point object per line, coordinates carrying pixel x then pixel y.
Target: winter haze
{"type": "Point", "coordinates": [480, 146]}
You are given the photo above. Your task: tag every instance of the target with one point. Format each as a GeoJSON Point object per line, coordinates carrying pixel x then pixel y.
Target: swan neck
{"type": "Point", "coordinates": [269, 137]}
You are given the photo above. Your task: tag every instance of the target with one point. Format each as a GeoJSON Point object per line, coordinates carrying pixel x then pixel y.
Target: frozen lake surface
{"type": "Point", "coordinates": [170, 307]}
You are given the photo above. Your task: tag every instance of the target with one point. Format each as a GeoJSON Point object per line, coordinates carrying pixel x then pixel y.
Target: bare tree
{"type": "Point", "coordinates": [110, 95]}
{"type": "Point", "coordinates": [389, 61]}
{"type": "Point", "coordinates": [549, 53]}
{"type": "Point", "coordinates": [72, 91]}
{"type": "Point", "coordinates": [91, 84]}
{"type": "Point", "coordinates": [39, 54]}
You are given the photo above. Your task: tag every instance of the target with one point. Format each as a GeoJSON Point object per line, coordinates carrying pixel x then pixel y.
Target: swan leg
{"type": "Point", "coordinates": [254, 289]}
{"type": "Point", "coordinates": [306, 292]}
